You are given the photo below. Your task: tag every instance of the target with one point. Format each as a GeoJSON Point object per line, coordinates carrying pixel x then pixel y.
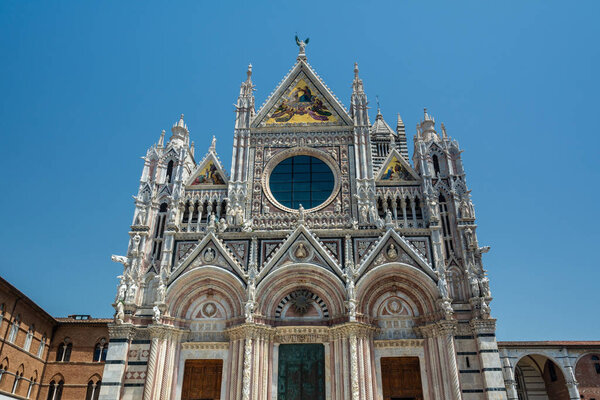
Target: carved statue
{"type": "Point", "coordinates": [389, 223]}
{"type": "Point", "coordinates": [469, 237]}
{"type": "Point", "coordinates": [485, 310]}
{"type": "Point", "coordinates": [443, 285]}
{"type": "Point", "coordinates": [121, 260]}
{"type": "Point", "coordinates": [392, 253]}
{"type": "Point", "coordinates": [354, 224]}
{"type": "Point", "coordinates": [156, 314]}
{"type": "Point", "coordinates": [300, 215]}
{"type": "Point", "coordinates": [485, 287]}
{"type": "Point", "coordinates": [222, 225]}
{"type": "Point", "coordinates": [474, 286]}
{"type": "Point", "coordinates": [351, 305]}
{"type": "Point", "coordinates": [161, 293]}
{"type": "Point", "coordinates": [447, 308]}
{"type": "Point", "coordinates": [120, 314]}
{"type": "Point", "coordinates": [247, 226]}
{"type": "Point", "coordinates": [302, 44]}
{"type": "Point", "coordinates": [212, 223]}
{"type": "Point", "coordinates": [434, 210]}
{"type": "Point", "coordinates": [172, 215]}
{"type": "Point", "coordinates": [122, 289]}
{"type": "Point", "coordinates": [131, 292]}
{"type": "Point", "coordinates": [249, 311]}
{"type": "Point", "coordinates": [350, 288]}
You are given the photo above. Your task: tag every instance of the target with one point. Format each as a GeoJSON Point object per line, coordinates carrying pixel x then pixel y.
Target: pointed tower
{"type": "Point", "coordinates": [383, 139]}
{"type": "Point", "coordinates": [244, 113]}
{"type": "Point", "coordinates": [401, 140]}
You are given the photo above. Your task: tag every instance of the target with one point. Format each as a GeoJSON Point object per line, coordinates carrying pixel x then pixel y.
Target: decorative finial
{"type": "Point", "coordinates": [181, 116]}
{"type": "Point", "coordinates": [302, 46]}
{"type": "Point", "coordinates": [377, 99]}
{"type": "Point", "coordinates": [192, 149]}
{"type": "Point", "coordinates": [249, 72]}
{"type": "Point", "coordinates": [355, 70]}
{"type": "Point", "coordinates": [213, 144]}
{"type": "Point", "coordinates": [161, 141]}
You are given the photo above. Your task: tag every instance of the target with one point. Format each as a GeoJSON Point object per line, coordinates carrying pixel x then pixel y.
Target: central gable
{"type": "Point", "coordinates": [301, 99]}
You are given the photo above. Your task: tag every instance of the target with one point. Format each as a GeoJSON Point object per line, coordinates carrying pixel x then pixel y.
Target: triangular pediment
{"type": "Point", "coordinates": [393, 248]}
{"type": "Point", "coordinates": [302, 99]}
{"type": "Point", "coordinates": [209, 252]}
{"type": "Point", "coordinates": [396, 170]}
{"type": "Point", "coordinates": [209, 172]}
{"type": "Point", "coordinates": [301, 247]}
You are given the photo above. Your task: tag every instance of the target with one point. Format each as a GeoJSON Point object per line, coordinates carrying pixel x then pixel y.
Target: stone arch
{"type": "Point", "coordinates": [282, 281]}
{"type": "Point", "coordinates": [319, 305]}
{"type": "Point", "coordinates": [587, 374]}
{"type": "Point", "coordinates": [95, 378]}
{"type": "Point", "coordinates": [418, 288]}
{"type": "Point", "coordinates": [539, 374]}
{"type": "Point", "coordinates": [184, 292]}
{"type": "Point", "coordinates": [57, 378]}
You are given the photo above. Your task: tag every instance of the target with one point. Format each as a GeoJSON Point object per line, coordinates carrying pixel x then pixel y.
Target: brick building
{"type": "Point", "coordinates": [42, 357]}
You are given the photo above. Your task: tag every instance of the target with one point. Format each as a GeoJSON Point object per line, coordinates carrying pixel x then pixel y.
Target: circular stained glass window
{"type": "Point", "coordinates": [302, 180]}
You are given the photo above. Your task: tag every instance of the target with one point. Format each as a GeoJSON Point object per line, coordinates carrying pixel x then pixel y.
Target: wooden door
{"type": "Point", "coordinates": [401, 378]}
{"type": "Point", "coordinates": [301, 372]}
{"type": "Point", "coordinates": [202, 380]}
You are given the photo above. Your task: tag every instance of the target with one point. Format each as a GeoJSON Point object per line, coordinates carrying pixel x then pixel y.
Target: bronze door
{"type": "Point", "coordinates": [401, 378]}
{"type": "Point", "coordinates": [301, 372]}
{"type": "Point", "coordinates": [202, 380]}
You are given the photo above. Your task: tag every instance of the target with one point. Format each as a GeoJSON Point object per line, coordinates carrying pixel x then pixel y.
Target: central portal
{"type": "Point", "coordinates": [301, 372]}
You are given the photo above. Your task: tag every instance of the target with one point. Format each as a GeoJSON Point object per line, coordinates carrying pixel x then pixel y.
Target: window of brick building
{"type": "Point", "coordinates": [40, 352]}
{"type": "Point", "coordinates": [93, 390]}
{"type": "Point", "coordinates": [64, 350]}
{"type": "Point", "coordinates": [596, 361]}
{"type": "Point", "coordinates": [14, 329]}
{"type": "Point", "coordinates": [100, 350]}
{"type": "Point", "coordinates": [55, 390]}
{"type": "Point", "coordinates": [29, 338]}
{"type": "Point", "coordinates": [3, 368]}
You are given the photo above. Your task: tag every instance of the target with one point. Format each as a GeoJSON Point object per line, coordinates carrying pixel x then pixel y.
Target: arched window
{"type": "Point", "coordinates": [93, 390]}
{"type": "Point", "coordinates": [436, 164]}
{"type": "Point", "coordinates": [18, 377]}
{"type": "Point", "coordinates": [55, 390]}
{"type": "Point", "coordinates": [40, 352]}
{"type": "Point", "coordinates": [446, 230]}
{"type": "Point", "coordinates": [29, 338]}
{"type": "Point", "coordinates": [596, 361]}
{"type": "Point", "coordinates": [14, 329]}
{"type": "Point", "coordinates": [64, 350]}
{"type": "Point", "coordinates": [159, 231]}
{"type": "Point", "coordinates": [170, 171]}
{"type": "Point", "coordinates": [3, 368]}
{"type": "Point", "coordinates": [100, 350]}
{"type": "Point", "coordinates": [31, 383]}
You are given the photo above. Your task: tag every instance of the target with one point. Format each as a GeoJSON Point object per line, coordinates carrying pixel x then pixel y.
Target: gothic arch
{"type": "Point", "coordinates": [57, 378]}
{"type": "Point", "coordinates": [282, 281]}
{"type": "Point", "coordinates": [418, 289]}
{"type": "Point", "coordinates": [94, 378]}
{"type": "Point", "coordinates": [188, 287]}
{"type": "Point", "coordinates": [456, 284]}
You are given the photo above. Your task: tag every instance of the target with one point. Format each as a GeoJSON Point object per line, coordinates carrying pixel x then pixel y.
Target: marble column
{"type": "Point", "coordinates": [120, 336]}
{"type": "Point", "coordinates": [484, 331]}
{"type": "Point", "coordinates": [251, 345]}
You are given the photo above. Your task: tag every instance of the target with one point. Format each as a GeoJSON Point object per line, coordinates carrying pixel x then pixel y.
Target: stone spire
{"type": "Point", "coordinates": [359, 110]}
{"type": "Point", "coordinates": [181, 134]}
{"type": "Point", "coordinates": [428, 127]}
{"type": "Point", "coordinates": [245, 103]}
{"type": "Point", "coordinates": [401, 132]}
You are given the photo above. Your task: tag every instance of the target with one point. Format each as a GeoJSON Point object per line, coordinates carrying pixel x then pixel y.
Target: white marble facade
{"type": "Point", "coordinates": [387, 264]}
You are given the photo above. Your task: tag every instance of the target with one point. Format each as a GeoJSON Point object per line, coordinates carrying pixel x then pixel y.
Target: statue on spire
{"type": "Point", "coordinates": [302, 45]}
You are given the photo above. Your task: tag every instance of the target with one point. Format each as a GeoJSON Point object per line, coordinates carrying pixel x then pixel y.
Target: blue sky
{"type": "Point", "coordinates": [88, 86]}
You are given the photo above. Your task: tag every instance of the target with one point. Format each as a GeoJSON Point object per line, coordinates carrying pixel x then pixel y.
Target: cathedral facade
{"type": "Point", "coordinates": [325, 265]}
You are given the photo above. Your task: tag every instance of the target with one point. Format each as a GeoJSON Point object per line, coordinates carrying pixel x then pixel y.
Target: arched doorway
{"type": "Point", "coordinates": [539, 378]}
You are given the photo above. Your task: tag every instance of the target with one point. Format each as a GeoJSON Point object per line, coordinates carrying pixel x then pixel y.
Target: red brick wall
{"type": "Point", "coordinates": [587, 377]}
{"type": "Point", "coordinates": [557, 390]}
{"type": "Point", "coordinates": [81, 368]}
{"type": "Point", "coordinates": [15, 304]}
